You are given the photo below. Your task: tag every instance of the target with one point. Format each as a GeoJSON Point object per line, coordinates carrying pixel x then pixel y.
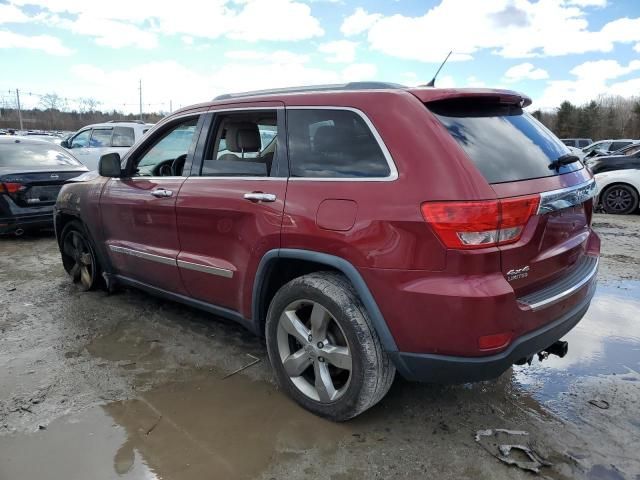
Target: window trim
{"type": "Point", "coordinates": [393, 171]}
{"type": "Point", "coordinates": [149, 141]}
{"type": "Point", "coordinates": [89, 129]}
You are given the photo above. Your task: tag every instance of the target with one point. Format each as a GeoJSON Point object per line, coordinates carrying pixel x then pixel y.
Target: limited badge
{"type": "Point", "coordinates": [518, 273]}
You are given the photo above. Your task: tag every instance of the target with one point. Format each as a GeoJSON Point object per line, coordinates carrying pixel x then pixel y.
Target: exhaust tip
{"type": "Point", "coordinates": [559, 348]}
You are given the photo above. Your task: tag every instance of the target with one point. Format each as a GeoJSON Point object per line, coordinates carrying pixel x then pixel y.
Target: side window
{"type": "Point", "coordinates": [333, 144]}
{"type": "Point", "coordinates": [167, 154]}
{"type": "Point", "coordinates": [81, 140]}
{"type": "Point", "coordinates": [123, 137]}
{"type": "Point", "coordinates": [618, 145]}
{"type": "Point", "coordinates": [583, 143]}
{"type": "Point", "coordinates": [242, 144]}
{"type": "Point", "coordinates": [101, 137]}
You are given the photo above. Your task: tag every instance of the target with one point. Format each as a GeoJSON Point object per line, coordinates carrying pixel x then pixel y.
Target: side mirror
{"type": "Point", "coordinates": [109, 165]}
{"type": "Point", "coordinates": [65, 144]}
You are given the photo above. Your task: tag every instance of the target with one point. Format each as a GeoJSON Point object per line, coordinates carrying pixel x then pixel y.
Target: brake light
{"type": "Point", "coordinates": [480, 224]}
{"type": "Point", "coordinates": [10, 187]}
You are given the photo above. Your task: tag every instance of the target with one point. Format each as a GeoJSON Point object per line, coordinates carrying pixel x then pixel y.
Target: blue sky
{"type": "Point", "coordinates": [190, 51]}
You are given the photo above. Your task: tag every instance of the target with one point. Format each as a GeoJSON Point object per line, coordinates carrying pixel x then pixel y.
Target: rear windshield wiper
{"type": "Point", "coordinates": [563, 160]}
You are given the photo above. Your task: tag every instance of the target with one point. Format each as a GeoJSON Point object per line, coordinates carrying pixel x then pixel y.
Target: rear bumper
{"type": "Point", "coordinates": [31, 222]}
{"type": "Point", "coordinates": [454, 369]}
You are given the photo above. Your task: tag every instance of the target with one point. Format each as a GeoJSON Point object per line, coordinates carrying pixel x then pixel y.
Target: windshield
{"type": "Point", "coordinates": [35, 155]}
{"type": "Point", "coordinates": [505, 143]}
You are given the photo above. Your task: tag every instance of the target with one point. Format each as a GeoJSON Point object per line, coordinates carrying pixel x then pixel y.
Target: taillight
{"type": "Point", "coordinates": [480, 224]}
{"type": "Point", "coordinates": [10, 187]}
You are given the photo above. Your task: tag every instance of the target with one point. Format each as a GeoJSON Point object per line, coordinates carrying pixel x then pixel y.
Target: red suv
{"type": "Point", "coordinates": [361, 228]}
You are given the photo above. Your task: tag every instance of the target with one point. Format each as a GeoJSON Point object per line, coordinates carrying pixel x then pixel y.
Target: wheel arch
{"type": "Point", "coordinates": [62, 218]}
{"type": "Point", "coordinates": [263, 287]}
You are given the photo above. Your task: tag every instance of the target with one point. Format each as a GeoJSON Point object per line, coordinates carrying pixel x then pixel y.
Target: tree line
{"type": "Point", "coordinates": [607, 116]}
{"type": "Point", "coordinates": [53, 113]}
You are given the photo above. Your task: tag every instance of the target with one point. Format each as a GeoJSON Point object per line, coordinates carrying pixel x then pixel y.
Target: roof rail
{"type": "Point", "coordinates": [314, 88]}
{"type": "Point", "coordinates": [126, 121]}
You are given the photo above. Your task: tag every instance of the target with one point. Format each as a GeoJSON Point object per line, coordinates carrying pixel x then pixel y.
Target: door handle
{"type": "Point", "coordinates": [260, 197]}
{"type": "Point", "coordinates": [161, 193]}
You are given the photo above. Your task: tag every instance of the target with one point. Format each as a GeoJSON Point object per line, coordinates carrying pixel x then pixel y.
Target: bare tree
{"type": "Point", "coordinates": [53, 101]}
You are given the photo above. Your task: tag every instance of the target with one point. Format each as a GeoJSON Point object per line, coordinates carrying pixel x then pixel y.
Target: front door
{"type": "Point", "coordinates": [230, 210]}
{"type": "Point", "coordinates": [138, 210]}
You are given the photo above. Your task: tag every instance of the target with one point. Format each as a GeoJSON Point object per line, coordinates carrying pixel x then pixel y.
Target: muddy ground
{"type": "Point", "coordinates": [127, 386]}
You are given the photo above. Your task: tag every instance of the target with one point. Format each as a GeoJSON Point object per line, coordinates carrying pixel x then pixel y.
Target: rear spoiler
{"type": "Point", "coordinates": [508, 97]}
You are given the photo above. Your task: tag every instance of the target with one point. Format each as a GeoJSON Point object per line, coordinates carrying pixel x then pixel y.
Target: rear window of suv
{"type": "Point", "coordinates": [505, 143]}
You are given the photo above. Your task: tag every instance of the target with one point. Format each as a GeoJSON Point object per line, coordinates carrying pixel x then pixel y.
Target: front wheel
{"type": "Point", "coordinates": [620, 199]}
{"type": "Point", "coordinates": [323, 348]}
{"type": "Point", "coordinates": [78, 256]}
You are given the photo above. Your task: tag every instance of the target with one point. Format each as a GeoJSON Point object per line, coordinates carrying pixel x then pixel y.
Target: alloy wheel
{"type": "Point", "coordinates": [618, 200]}
{"type": "Point", "coordinates": [314, 351]}
{"type": "Point", "coordinates": [81, 264]}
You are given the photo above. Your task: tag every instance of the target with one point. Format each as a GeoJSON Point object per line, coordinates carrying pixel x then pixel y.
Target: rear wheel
{"type": "Point", "coordinates": [78, 256]}
{"type": "Point", "coordinates": [325, 353]}
{"type": "Point", "coordinates": [620, 199]}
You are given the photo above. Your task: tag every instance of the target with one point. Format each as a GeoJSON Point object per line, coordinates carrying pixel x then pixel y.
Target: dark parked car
{"type": "Point", "coordinates": [577, 142]}
{"type": "Point", "coordinates": [614, 162]}
{"type": "Point", "coordinates": [31, 174]}
{"type": "Point", "coordinates": [442, 233]}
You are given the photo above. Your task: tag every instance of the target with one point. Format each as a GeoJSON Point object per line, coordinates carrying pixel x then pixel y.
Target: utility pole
{"type": "Point", "coordinates": [140, 90]}
{"type": "Point", "coordinates": [19, 111]}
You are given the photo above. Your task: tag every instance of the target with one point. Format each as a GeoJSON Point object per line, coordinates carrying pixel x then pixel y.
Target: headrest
{"type": "Point", "coordinates": [243, 137]}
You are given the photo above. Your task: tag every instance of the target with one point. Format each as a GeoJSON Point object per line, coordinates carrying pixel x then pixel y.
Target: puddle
{"type": "Point", "coordinates": [202, 428]}
{"type": "Point", "coordinates": [605, 343]}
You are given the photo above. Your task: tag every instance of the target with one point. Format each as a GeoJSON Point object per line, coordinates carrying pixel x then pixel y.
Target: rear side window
{"type": "Point", "coordinates": [333, 144]}
{"type": "Point", "coordinates": [617, 146]}
{"type": "Point", "coordinates": [583, 143]}
{"type": "Point", "coordinates": [569, 142]}
{"type": "Point", "coordinates": [123, 137]}
{"type": "Point", "coordinates": [505, 143]}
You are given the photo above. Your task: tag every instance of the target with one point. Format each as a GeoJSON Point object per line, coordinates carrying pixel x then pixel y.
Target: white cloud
{"type": "Point", "coordinates": [358, 22]}
{"type": "Point", "coordinates": [11, 14]}
{"type": "Point", "coordinates": [525, 71]}
{"type": "Point", "coordinates": [118, 88]}
{"type": "Point", "coordinates": [520, 29]}
{"type": "Point", "coordinates": [340, 51]}
{"type": "Point", "coordinates": [593, 78]}
{"type": "Point", "coordinates": [122, 22]}
{"type": "Point", "coordinates": [357, 72]}
{"type": "Point", "coordinates": [636, 47]}
{"type": "Point", "coordinates": [588, 3]}
{"type": "Point", "coordinates": [187, 40]}
{"type": "Point", "coordinates": [45, 43]}
{"type": "Point", "coordinates": [475, 82]}
{"type": "Point", "coordinates": [277, 57]}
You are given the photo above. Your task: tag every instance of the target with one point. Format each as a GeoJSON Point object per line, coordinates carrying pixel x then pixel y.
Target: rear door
{"type": "Point", "coordinates": [229, 211]}
{"type": "Point", "coordinates": [514, 152]}
{"type": "Point", "coordinates": [138, 210]}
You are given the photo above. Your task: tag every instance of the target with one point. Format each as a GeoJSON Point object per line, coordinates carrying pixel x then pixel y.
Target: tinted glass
{"type": "Point", "coordinates": [101, 137]}
{"type": "Point", "coordinates": [505, 143]}
{"type": "Point", "coordinates": [617, 145]}
{"type": "Point", "coordinates": [583, 143]}
{"type": "Point", "coordinates": [244, 145]}
{"type": "Point", "coordinates": [568, 143]}
{"type": "Point", "coordinates": [31, 155]}
{"type": "Point", "coordinates": [173, 144]}
{"type": "Point", "coordinates": [122, 137]}
{"type": "Point", "coordinates": [333, 144]}
{"type": "Point", "coordinates": [81, 140]}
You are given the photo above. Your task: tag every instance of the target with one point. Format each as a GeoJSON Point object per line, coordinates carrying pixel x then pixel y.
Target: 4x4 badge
{"type": "Point", "coordinates": [518, 273]}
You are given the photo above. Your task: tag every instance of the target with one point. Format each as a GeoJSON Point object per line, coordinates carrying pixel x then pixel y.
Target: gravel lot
{"type": "Point", "coordinates": [132, 387]}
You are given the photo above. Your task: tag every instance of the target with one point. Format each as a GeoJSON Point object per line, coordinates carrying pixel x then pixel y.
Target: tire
{"type": "Point", "coordinates": [78, 256]}
{"type": "Point", "coordinates": [619, 199]}
{"type": "Point", "coordinates": [340, 345]}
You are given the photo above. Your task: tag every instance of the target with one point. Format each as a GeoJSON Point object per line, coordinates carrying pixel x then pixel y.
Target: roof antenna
{"type": "Point", "coordinates": [432, 83]}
